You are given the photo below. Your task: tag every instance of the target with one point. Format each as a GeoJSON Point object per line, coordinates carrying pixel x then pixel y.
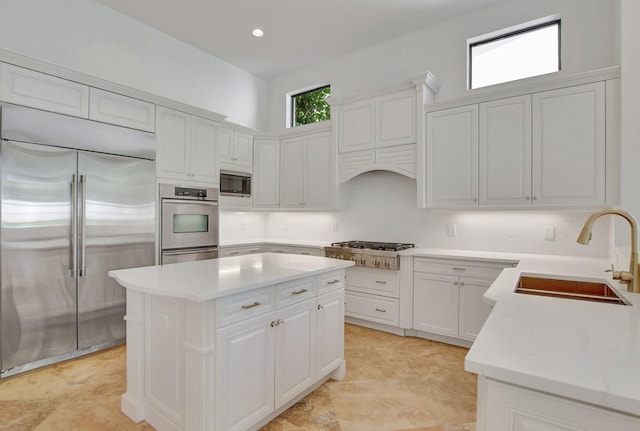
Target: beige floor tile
{"type": "Point", "coordinates": [393, 384]}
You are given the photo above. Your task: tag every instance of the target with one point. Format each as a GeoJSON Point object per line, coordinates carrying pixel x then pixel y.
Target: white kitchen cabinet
{"type": "Point", "coordinates": [41, 91]}
{"type": "Point", "coordinates": [239, 250]}
{"type": "Point", "coordinates": [185, 147]}
{"type": "Point", "coordinates": [295, 351]}
{"type": "Point", "coordinates": [330, 331]}
{"type": "Point", "coordinates": [266, 173]}
{"type": "Point", "coordinates": [452, 157]}
{"type": "Point", "coordinates": [505, 407]}
{"type": "Point", "coordinates": [272, 248]}
{"type": "Point", "coordinates": [373, 295]}
{"type": "Point", "coordinates": [448, 296]}
{"type": "Point", "coordinates": [357, 127]}
{"type": "Point", "coordinates": [120, 110]}
{"type": "Point", "coordinates": [541, 149]}
{"type": "Point", "coordinates": [505, 152]}
{"type": "Point", "coordinates": [376, 122]}
{"type": "Point", "coordinates": [306, 178]}
{"type": "Point", "coordinates": [235, 150]}
{"type": "Point", "coordinates": [308, 251]}
{"type": "Point", "coordinates": [399, 159]}
{"type": "Point", "coordinates": [245, 372]}
{"type": "Point", "coordinates": [569, 145]}
{"type": "Point", "coordinates": [266, 361]}
{"type": "Point", "coordinates": [396, 118]}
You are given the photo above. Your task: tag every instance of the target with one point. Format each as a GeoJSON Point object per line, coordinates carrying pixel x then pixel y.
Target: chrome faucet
{"type": "Point", "coordinates": [631, 277]}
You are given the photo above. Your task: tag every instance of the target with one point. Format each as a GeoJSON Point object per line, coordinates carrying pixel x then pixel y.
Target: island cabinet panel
{"type": "Point", "coordinates": [245, 373]}
{"type": "Point", "coordinates": [295, 351]}
{"type": "Point", "coordinates": [330, 332]}
{"type": "Point", "coordinates": [504, 407]}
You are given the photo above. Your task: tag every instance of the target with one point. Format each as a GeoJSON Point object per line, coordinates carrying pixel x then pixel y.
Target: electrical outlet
{"type": "Point", "coordinates": [549, 233]}
{"type": "Point", "coordinates": [452, 229]}
{"type": "Point", "coordinates": [335, 227]}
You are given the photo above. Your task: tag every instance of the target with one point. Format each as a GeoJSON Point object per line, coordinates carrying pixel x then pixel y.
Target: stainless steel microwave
{"type": "Point", "coordinates": [235, 184]}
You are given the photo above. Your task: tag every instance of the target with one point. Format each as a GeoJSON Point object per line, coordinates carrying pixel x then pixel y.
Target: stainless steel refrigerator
{"type": "Point", "coordinates": [77, 200]}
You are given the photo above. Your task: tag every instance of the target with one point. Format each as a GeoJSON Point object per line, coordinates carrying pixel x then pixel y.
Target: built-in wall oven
{"type": "Point", "coordinates": [188, 223]}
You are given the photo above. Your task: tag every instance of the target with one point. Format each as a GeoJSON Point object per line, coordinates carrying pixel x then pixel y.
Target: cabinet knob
{"type": "Point", "coordinates": [320, 307]}
{"type": "Point", "coordinates": [535, 198]}
{"type": "Point", "coordinates": [462, 283]}
{"type": "Point", "coordinates": [528, 198]}
{"type": "Point", "coordinates": [455, 283]}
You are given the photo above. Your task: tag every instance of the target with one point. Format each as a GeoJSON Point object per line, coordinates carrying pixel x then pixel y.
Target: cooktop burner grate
{"type": "Point", "coordinates": [373, 245]}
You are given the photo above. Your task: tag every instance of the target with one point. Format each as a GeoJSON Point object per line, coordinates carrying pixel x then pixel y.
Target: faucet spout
{"type": "Point", "coordinates": [633, 276]}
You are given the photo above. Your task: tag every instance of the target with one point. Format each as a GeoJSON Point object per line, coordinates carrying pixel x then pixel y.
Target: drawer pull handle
{"type": "Point", "coordinates": [255, 304]}
{"type": "Point", "coordinates": [333, 281]}
{"type": "Point", "coordinates": [380, 310]}
{"type": "Point", "coordinates": [381, 282]}
{"type": "Point", "coordinates": [235, 252]}
{"type": "Point", "coordinates": [298, 292]}
{"type": "Point", "coordinates": [306, 253]}
{"type": "Point", "coordinates": [459, 269]}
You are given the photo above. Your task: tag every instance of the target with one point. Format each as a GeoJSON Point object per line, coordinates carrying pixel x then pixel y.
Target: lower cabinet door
{"type": "Point", "coordinates": [295, 363]}
{"type": "Point", "coordinates": [435, 304]}
{"type": "Point", "coordinates": [330, 332]}
{"type": "Point", "coordinates": [245, 373]}
{"type": "Point", "coordinates": [473, 310]}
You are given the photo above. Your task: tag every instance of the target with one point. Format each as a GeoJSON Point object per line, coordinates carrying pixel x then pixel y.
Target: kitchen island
{"type": "Point", "coordinates": [230, 343]}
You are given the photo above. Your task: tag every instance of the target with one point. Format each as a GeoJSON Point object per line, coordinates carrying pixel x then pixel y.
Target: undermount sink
{"type": "Point", "coordinates": [569, 289]}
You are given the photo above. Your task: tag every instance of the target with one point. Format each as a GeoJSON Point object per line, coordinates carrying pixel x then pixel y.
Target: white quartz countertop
{"type": "Point", "coordinates": [585, 351]}
{"type": "Point", "coordinates": [214, 278]}
{"type": "Point", "coordinates": [291, 242]}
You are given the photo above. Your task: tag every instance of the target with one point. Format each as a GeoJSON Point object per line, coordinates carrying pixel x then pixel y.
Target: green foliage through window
{"type": "Point", "coordinates": [311, 106]}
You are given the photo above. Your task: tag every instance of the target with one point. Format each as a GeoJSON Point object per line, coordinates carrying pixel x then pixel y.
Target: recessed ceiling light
{"type": "Point", "coordinates": [257, 32]}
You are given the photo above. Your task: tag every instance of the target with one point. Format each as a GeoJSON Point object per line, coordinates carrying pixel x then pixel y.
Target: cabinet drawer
{"type": "Point", "coordinates": [295, 291]}
{"type": "Point", "coordinates": [39, 90]}
{"type": "Point", "coordinates": [238, 251]}
{"type": "Point", "coordinates": [278, 249]}
{"type": "Point", "coordinates": [371, 307]}
{"type": "Point", "coordinates": [121, 110]}
{"type": "Point", "coordinates": [375, 281]}
{"type": "Point", "coordinates": [485, 270]}
{"type": "Point", "coordinates": [245, 305]}
{"type": "Point", "coordinates": [330, 281]}
{"type": "Point", "coordinates": [308, 251]}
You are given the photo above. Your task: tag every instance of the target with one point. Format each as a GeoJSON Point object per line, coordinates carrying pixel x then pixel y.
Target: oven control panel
{"type": "Point", "coordinates": [171, 191]}
{"type": "Point", "coordinates": [188, 192]}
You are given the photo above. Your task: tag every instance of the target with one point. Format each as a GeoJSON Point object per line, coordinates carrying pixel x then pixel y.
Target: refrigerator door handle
{"type": "Point", "coordinates": [82, 226]}
{"type": "Point", "coordinates": [73, 257]}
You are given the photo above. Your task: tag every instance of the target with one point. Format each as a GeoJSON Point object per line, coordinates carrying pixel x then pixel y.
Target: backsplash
{"type": "Point", "coordinates": [381, 206]}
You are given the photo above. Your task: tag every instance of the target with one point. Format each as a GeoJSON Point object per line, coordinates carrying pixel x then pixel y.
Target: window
{"type": "Point", "coordinates": [310, 106]}
{"type": "Point", "coordinates": [516, 53]}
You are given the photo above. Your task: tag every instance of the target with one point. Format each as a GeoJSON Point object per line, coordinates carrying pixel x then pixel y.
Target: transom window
{"type": "Point", "coordinates": [310, 106]}
{"type": "Point", "coordinates": [529, 50]}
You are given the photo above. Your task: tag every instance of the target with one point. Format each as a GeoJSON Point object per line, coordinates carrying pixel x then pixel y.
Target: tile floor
{"type": "Point", "coordinates": [393, 384]}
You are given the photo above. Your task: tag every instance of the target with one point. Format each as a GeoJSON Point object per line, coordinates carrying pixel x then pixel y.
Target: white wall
{"type": "Point", "coordinates": [630, 126]}
{"type": "Point", "coordinates": [87, 37]}
{"type": "Point", "coordinates": [589, 29]}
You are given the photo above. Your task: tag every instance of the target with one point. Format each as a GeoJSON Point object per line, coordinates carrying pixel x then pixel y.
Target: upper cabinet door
{"type": "Point", "coordinates": [39, 90]}
{"type": "Point", "coordinates": [396, 119]}
{"type": "Point", "coordinates": [243, 150]}
{"type": "Point", "coordinates": [202, 154]}
{"type": "Point", "coordinates": [505, 152]}
{"type": "Point", "coordinates": [318, 173]}
{"type": "Point", "coordinates": [356, 129]}
{"type": "Point", "coordinates": [266, 178]}
{"type": "Point", "coordinates": [121, 110]}
{"type": "Point", "coordinates": [224, 145]}
{"type": "Point", "coordinates": [452, 157]}
{"type": "Point", "coordinates": [172, 137]}
{"type": "Point", "coordinates": [292, 173]}
{"type": "Point", "coordinates": [569, 146]}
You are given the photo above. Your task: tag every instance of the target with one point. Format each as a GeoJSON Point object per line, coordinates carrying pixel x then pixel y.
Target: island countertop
{"type": "Point", "coordinates": [204, 280]}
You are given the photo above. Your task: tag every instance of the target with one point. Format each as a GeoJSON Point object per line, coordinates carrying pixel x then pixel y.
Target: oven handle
{"type": "Point", "coordinates": [189, 201]}
{"type": "Point", "coordinates": [188, 251]}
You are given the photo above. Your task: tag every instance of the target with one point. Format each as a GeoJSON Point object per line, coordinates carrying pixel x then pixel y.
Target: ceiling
{"type": "Point", "coordinates": [298, 33]}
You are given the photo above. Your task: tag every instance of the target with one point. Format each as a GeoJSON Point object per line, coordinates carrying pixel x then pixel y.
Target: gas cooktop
{"type": "Point", "coordinates": [381, 255]}
{"type": "Point", "coordinates": [372, 245]}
